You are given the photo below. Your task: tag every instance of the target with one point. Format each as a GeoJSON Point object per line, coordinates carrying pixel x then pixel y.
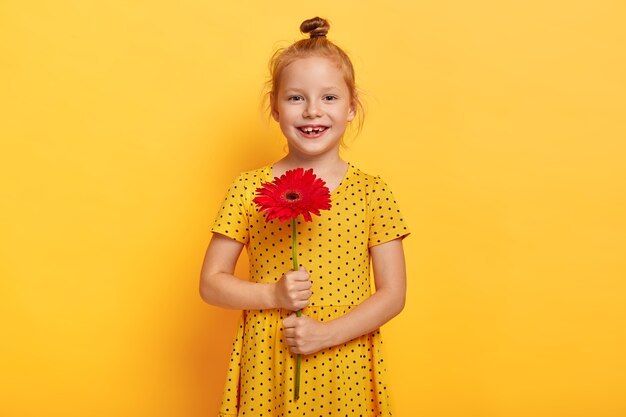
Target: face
{"type": "Point", "coordinates": [313, 106]}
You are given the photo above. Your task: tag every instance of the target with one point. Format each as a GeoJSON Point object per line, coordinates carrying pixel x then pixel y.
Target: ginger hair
{"type": "Point", "coordinates": [319, 46]}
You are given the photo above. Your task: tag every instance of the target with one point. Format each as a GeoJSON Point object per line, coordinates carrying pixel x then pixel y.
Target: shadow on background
{"type": "Point", "coordinates": [213, 331]}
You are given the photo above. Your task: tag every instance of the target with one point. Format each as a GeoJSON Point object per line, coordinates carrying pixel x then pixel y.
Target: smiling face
{"type": "Point", "coordinates": [313, 106]}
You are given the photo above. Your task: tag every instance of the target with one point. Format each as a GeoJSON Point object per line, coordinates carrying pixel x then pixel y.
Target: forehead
{"type": "Point", "coordinates": [313, 72]}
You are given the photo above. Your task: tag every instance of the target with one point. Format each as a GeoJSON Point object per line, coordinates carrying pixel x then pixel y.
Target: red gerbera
{"type": "Point", "coordinates": [296, 192]}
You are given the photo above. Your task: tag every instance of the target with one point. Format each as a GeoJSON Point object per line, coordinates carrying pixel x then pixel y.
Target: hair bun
{"type": "Point", "coordinates": [315, 27]}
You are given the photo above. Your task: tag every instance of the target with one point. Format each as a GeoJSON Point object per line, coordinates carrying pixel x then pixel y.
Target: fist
{"type": "Point", "coordinates": [293, 290]}
{"type": "Point", "coordinates": [306, 335]}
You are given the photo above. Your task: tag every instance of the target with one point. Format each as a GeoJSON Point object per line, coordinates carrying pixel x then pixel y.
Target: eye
{"type": "Point", "coordinates": [330, 98]}
{"type": "Point", "coordinates": [295, 98]}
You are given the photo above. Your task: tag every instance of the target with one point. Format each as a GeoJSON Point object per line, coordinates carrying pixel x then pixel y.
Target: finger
{"type": "Point", "coordinates": [289, 332]}
{"type": "Point", "coordinates": [300, 276]}
{"type": "Point", "coordinates": [289, 321]}
{"type": "Point", "coordinates": [301, 285]}
{"type": "Point", "coordinates": [301, 269]}
{"type": "Point", "coordinates": [301, 348]}
{"type": "Point", "coordinates": [303, 295]}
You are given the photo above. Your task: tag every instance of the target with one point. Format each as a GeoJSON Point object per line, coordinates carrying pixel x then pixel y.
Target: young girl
{"type": "Point", "coordinates": [313, 97]}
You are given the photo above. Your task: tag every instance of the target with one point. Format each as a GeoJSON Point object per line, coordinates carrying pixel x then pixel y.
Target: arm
{"type": "Point", "coordinates": [218, 285]}
{"type": "Point", "coordinates": [305, 335]}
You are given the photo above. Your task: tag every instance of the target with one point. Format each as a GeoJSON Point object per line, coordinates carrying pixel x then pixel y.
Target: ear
{"type": "Point", "coordinates": [273, 106]}
{"type": "Point", "coordinates": [352, 112]}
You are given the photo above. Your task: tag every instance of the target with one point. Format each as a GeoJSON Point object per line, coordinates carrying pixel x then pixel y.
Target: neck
{"type": "Point", "coordinates": [324, 163]}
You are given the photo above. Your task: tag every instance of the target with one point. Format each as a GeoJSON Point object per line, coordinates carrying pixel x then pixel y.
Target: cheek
{"type": "Point", "coordinates": [290, 114]}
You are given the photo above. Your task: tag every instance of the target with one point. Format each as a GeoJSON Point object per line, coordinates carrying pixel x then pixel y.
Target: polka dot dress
{"type": "Point", "coordinates": [344, 380]}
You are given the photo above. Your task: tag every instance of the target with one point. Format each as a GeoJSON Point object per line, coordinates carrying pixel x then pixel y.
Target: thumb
{"type": "Point", "coordinates": [302, 268]}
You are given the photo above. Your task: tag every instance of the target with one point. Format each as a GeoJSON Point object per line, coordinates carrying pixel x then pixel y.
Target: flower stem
{"type": "Point", "coordinates": [294, 244]}
{"type": "Point", "coordinates": [299, 312]}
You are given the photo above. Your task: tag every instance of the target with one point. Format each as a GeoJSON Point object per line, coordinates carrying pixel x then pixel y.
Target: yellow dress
{"type": "Point", "coordinates": [344, 380]}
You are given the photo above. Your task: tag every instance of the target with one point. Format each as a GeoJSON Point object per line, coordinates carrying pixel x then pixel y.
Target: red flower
{"type": "Point", "coordinates": [296, 192]}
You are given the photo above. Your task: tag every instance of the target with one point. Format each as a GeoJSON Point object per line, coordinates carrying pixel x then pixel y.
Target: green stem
{"type": "Point", "coordinates": [294, 245]}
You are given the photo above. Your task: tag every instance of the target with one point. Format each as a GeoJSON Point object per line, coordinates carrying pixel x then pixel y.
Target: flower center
{"type": "Point", "coordinates": [292, 196]}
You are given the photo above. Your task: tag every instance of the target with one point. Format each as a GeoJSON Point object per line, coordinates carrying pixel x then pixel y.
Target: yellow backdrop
{"type": "Point", "coordinates": [499, 126]}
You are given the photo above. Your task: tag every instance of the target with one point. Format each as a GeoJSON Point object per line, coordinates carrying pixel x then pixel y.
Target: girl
{"type": "Point", "coordinates": [313, 97]}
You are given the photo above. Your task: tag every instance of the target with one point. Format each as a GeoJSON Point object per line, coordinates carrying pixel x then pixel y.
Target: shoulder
{"type": "Point", "coordinates": [251, 177]}
{"type": "Point", "coordinates": [377, 192]}
{"type": "Point", "coordinates": [259, 172]}
{"type": "Point", "coordinates": [368, 180]}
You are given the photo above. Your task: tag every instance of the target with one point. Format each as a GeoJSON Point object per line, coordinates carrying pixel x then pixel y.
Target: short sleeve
{"type": "Point", "coordinates": [386, 220]}
{"type": "Point", "coordinates": [232, 218]}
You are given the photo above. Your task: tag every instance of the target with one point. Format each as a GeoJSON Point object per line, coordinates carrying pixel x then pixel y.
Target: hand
{"type": "Point", "coordinates": [305, 335]}
{"type": "Point", "coordinates": [293, 290]}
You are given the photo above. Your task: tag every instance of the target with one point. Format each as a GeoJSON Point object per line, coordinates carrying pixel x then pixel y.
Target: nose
{"type": "Point", "coordinates": [312, 110]}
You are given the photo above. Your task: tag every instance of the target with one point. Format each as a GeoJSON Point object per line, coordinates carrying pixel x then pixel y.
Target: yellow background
{"type": "Point", "coordinates": [500, 126]}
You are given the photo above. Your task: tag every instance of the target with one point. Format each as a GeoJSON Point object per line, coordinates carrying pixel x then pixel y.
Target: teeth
{"type": "Point", "coordinates": [311, 129]}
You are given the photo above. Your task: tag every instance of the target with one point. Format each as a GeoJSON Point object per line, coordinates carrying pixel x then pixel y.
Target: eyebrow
{"type": "Point", "coordinates": [300, 90]}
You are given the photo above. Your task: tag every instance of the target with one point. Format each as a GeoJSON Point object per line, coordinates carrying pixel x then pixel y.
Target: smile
{"type": "Point", "coordinates": [312, 131]}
